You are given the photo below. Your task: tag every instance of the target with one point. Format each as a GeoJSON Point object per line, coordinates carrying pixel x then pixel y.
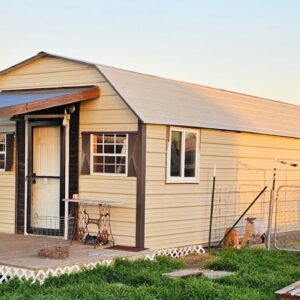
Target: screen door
{"type": "Point", "coordinates": [45, 177]}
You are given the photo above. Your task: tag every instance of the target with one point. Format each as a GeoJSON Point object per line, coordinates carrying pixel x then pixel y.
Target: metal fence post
{"type": "Point", "coordinates": [212, 207]}
{"type": "Point", "coordinates": [271, 210]}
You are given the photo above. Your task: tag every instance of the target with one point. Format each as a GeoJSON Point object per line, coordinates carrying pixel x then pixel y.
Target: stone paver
{"type": "Point", "coordinates": [184, 273]}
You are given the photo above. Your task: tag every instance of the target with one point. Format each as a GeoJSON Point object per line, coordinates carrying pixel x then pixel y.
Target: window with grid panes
{"type": "Point", "coordinates": [109, 154]}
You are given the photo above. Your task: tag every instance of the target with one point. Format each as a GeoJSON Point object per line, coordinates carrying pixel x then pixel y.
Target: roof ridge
{"type": "Point", "coordinates": [199, 85]}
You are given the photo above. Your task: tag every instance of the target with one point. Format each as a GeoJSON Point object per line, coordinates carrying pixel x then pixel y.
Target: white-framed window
{"type": "Point", "coordinates": [2, 151]}
{"type": "Point", "coordinates": [183, 156]}
{"type": "Point", "coordinates": [109, 154]}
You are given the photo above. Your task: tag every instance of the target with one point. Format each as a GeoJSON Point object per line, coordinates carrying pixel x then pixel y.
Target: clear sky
{"type": "Point", "coordinates": [250, 46]}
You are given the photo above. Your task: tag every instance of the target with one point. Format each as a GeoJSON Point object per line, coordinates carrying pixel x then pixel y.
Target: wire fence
{"type": "Point", "coordinates": [229, 206]}
{"type": "Point", "coordinates": [287, 218]}
{"type": "Point", "coordinates": [273, 220]}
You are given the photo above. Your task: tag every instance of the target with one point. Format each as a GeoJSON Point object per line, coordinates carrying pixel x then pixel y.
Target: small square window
{"type": "Point", "coordinates": [109, 154]}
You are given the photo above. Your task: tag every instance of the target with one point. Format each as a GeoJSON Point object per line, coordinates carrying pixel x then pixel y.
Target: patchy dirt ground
{"type": "Point", "coordinates": [195, 260]}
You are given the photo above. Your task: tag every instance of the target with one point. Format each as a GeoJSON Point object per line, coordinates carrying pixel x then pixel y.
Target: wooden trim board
{"type": "Point", "coordinates": [89, 93]}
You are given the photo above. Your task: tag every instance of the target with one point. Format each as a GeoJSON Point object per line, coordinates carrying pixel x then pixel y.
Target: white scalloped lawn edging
{"type": "Point", "coordinates": [7, 272]}
{"type": "Point", "coordinates": [176, 252]}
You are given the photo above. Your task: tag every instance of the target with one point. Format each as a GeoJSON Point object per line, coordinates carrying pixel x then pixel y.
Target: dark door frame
{"type": "Point", "coordinates": [45, 123]}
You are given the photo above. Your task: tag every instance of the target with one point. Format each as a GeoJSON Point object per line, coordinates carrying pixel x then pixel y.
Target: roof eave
{"type": "Point", "coordinates": [89, 93]}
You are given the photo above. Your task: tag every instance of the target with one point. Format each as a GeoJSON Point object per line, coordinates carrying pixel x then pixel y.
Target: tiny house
{"type": "Point", "coordinates": [70, 127]}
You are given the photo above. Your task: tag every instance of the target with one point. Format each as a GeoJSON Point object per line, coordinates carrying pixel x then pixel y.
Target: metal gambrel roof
{"type": "Point", "coordinates": [159, 100]}
{"type": "Point", "coordinates": [163, 101]}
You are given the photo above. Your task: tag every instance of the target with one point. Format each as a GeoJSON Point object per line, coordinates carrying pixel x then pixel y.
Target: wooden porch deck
{"type": "Point", "coordinates": [21, 251]}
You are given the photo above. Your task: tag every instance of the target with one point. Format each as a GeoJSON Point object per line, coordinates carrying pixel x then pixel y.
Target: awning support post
{"type": "Point", "coordinates": [66, 123]}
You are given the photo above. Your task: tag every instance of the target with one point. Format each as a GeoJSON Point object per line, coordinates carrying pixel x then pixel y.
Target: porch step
{"type": "Point", "coordinates": [289, 292]}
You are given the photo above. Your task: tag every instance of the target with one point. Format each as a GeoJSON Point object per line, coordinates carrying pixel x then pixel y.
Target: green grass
{"type": "Point", "coordinates": [259, 274]}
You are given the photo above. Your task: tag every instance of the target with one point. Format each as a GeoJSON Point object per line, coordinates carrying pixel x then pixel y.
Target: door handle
{"type": "Point", "coordinates": [33, 178]}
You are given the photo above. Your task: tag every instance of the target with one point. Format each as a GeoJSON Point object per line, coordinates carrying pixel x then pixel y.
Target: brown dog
{"type": "Point", "coordinates": [232, 239]}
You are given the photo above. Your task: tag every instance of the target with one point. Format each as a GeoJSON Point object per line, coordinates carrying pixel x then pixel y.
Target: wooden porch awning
{"type": "Point", "coordinates": [15, 102]}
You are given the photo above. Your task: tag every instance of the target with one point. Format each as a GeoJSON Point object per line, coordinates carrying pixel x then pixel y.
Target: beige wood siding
{"type": "Point", "coordinates": [178, 214]}
{"type": "Point", "coordinates": [107, 113]}
{"type": "Point", "coordinates": [7, 188]}
{"type": "Point", "coordinates": [122, 189]}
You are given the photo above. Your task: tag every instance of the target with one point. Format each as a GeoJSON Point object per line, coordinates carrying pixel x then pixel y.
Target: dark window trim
{"type": "Point", "coordinates": [9, 151]}
{"type": "Point", "coordinates": [4, 152]}
{"type": "Point", "coordinates": [93, 154]}
{"type": "Point", "coordinates": [141, 188]}
{"type": "Point", "coordinates": [20, 176]}
{"type": "Point", "coordinates": [85, 164]}
{"type": "Point", "coordinates": [109, 132]}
